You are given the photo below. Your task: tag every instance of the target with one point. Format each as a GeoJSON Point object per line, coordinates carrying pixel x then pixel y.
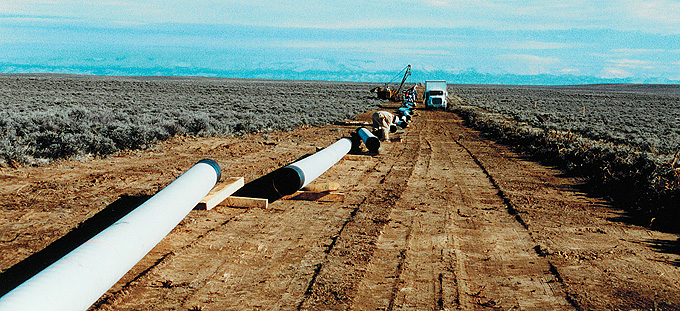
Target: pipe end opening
{"type": "Point", "coordinates": [288, 180]}
{"type": "Point", "coordinates": [373, 144]}
{"type": "Point", "coordinates": [211, 162]}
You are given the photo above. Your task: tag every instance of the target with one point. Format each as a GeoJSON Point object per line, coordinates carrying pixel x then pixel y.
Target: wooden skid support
{"type": "Point", "coordinates": [316, 196]}
{"type": "Point", "coordinates": [353, 123]}
{"type": "Point", "coordinates": [329, 186]}
{"type": "Point", "coordinates": [221, 192]}
{"type": "Point", "coordinates": [243, 202]}
{"type": "Point", "coordinates": [357, 157]}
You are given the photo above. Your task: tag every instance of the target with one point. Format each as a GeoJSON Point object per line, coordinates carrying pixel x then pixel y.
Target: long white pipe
{"type": "Point", "coordinates": [78, 279]}
{"type": "Point", "coordinates": [299, 174]}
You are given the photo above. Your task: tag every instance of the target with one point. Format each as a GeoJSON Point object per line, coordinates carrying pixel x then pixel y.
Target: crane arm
{"type": "Point", "coordinates": [406, 74]}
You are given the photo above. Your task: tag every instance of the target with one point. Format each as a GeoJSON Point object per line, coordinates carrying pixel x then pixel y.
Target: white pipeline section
{"type": "Point", "coordinates": [78, 279]}
{"type": "Point", "coordinates": [299, 174]}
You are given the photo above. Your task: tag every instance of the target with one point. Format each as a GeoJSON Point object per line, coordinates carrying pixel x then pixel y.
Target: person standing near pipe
{"type": "Point", "coordinates": [385, 122]}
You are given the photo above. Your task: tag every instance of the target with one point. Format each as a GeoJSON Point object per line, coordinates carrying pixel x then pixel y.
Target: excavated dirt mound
{"type": "Point", "coordinates": [443, 219]}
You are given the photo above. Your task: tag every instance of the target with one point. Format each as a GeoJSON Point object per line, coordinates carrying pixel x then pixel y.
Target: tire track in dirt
{"type": "Point", "coordinates": [508, 204]}
{"type": "Point", "coordinates": [113, 296]}
{"type": "Point", "coordinates": [602, 262]}
{"type": "Point", "coordinates": [451, 242]}
{"type": "Point", "coordinates": [512, 210]}
{"type": "Point", "coordinates": [529, 295]}
{"type": "Point", "coordinates": [336, 284]}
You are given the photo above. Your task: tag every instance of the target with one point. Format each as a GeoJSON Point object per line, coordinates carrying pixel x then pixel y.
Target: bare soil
{"type": "Point", "coordinates": [441, 220]}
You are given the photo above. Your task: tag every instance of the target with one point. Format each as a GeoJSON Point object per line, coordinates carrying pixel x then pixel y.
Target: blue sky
{"type": "Point", "coordinates": [628, 41]}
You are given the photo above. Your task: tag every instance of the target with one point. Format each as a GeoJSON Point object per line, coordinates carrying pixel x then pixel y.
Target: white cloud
{"type": "Point", "coordinates": [488, 35]}
{"type": "Point", "coordinates": [615, 73]}
{"type": "Point", "coordinates": [632, 63]}
{"type": "Point", "coordinates": [536, 45]}
{"type": "Point", "coordinates": [637, 51]}
{"type": "Point", "coordinates": [653, 16]}
{"type": "Point", "coordinates": [438, 3]}
{"type": "Point", "coordinates": [525, 64]}
{"type": "Point", "coordinates": [533, 59]}
{"type": "Point", "coordinates": [662, 11]}
{"type": "Point", "coordinates": [570, 71]}
{"type": "Point", "coordinates": [648, 15]}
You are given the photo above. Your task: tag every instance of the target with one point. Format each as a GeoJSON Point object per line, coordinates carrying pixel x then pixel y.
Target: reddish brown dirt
{"type": "Point", "coordinates": [442, 220]}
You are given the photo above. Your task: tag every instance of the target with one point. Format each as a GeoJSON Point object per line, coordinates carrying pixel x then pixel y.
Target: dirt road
{"type": "Point", "coordinates": [442, 220]}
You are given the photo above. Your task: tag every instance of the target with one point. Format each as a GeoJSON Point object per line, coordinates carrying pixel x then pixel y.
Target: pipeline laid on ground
{"type": "Point", "coordinates": [78, 279]}
{"type": "Point", "coordinates": [371, 141]}
{"type": "Point", "coordinates": [405, 111]}
{"type": "Point", "coordinates": [293, 177]}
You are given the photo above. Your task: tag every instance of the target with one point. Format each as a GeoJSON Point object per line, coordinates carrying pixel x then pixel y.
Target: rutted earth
{"type": "Point", "coordinates": [441, 220]}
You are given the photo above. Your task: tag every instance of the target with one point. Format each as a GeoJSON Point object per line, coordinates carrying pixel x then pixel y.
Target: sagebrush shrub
{"type": "Point", "coordinates": [640, 181]}
{"type": "Point", "coordinates": [62, 116]}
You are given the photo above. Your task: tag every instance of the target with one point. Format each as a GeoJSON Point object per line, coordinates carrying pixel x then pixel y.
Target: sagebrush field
{"type": "Point", "coordinates": [57, 116]}
{"type": "Point", "coordinates": [623, 139]}
{"type": "Point", "coordinates": [644, 116]}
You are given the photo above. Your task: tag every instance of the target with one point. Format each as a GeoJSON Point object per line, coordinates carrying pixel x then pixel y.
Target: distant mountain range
{"type": "Point", "coordinates": [457, 55]}
{"type": "Point", "coordinates": [461, 77]}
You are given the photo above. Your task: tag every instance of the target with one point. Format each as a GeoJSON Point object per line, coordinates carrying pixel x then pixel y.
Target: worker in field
{"type": "Point", "coordinates": [410, 97]}
{"type": "Point", "coordinates": [385, 122]}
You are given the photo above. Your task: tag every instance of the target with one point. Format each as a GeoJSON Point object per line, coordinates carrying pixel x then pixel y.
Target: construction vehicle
{"type": "Point", "coordinates": [436, 94]}
{"type": "Point", "coordinates": [385, 92]}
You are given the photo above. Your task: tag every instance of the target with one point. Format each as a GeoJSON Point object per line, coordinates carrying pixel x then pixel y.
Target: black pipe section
{"type": "Point", "coordinates": [297, 175]}
{"type": "Point", "coordinates": [371, 141]}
